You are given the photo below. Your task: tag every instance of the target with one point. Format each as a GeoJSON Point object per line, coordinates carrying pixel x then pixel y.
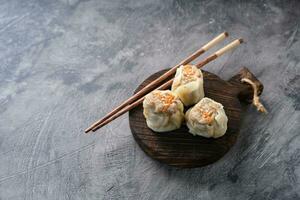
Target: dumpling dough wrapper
{"type": "Point", "coordinates": [207, 118]}
{"type": "Point", "coordinates": [188, 84]}
{"type": "Point", "coordinates": [163, 110]}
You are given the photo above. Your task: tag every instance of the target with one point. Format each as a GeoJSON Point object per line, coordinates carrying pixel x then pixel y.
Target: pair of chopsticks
{"type": "Point", "coordinates": [138, 98]}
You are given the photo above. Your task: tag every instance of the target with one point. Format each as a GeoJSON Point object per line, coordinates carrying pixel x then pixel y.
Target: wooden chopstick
{"type": "Point", "coordinates": [166, 85]}
{"type": "Point", "coordinates": [163, 77]}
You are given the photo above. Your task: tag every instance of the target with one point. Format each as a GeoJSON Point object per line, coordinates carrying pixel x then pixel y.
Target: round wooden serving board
{"type": "Point", "coordinates": [180, 148]}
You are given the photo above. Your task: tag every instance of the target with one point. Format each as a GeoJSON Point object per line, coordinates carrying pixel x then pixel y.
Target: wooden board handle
{"type": "Point", "coordinates": [244, 90]}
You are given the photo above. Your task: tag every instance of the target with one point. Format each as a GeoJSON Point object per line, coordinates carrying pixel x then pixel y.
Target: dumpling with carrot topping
{"type": "Point", "coordinates": [188, 84]}
{"type": "Point", "coordinates": [163, 110]}
{"type": "Point", "coordinates": [207, 118]}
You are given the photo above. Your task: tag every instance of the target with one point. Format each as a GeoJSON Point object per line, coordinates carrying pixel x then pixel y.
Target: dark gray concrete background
{"type": "Point", "coordinates": [65, 63]}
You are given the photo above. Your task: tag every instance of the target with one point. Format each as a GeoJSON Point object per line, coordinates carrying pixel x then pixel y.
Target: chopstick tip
{"type": "Point", "coordinates": [226, 34]}
{"type": "Point", "coordinates": [87, 130]}
{"type": "Point", "coordinates": [241, 40]}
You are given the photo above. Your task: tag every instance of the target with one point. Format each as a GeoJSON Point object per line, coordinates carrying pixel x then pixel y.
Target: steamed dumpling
{"type": "Point", "coordinates": [207, 118]}
{"type": "Point", "coordinates": [163, 111]}
{"type": "Point", "coordinates": [188, 84]}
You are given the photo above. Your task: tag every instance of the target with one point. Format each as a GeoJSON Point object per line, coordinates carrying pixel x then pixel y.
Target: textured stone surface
{"type": "Point", "coordinates": [65, 63]}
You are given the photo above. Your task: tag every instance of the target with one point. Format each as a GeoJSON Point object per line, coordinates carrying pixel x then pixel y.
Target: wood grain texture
{"type": "Point", "coordinates": [180, 148]}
